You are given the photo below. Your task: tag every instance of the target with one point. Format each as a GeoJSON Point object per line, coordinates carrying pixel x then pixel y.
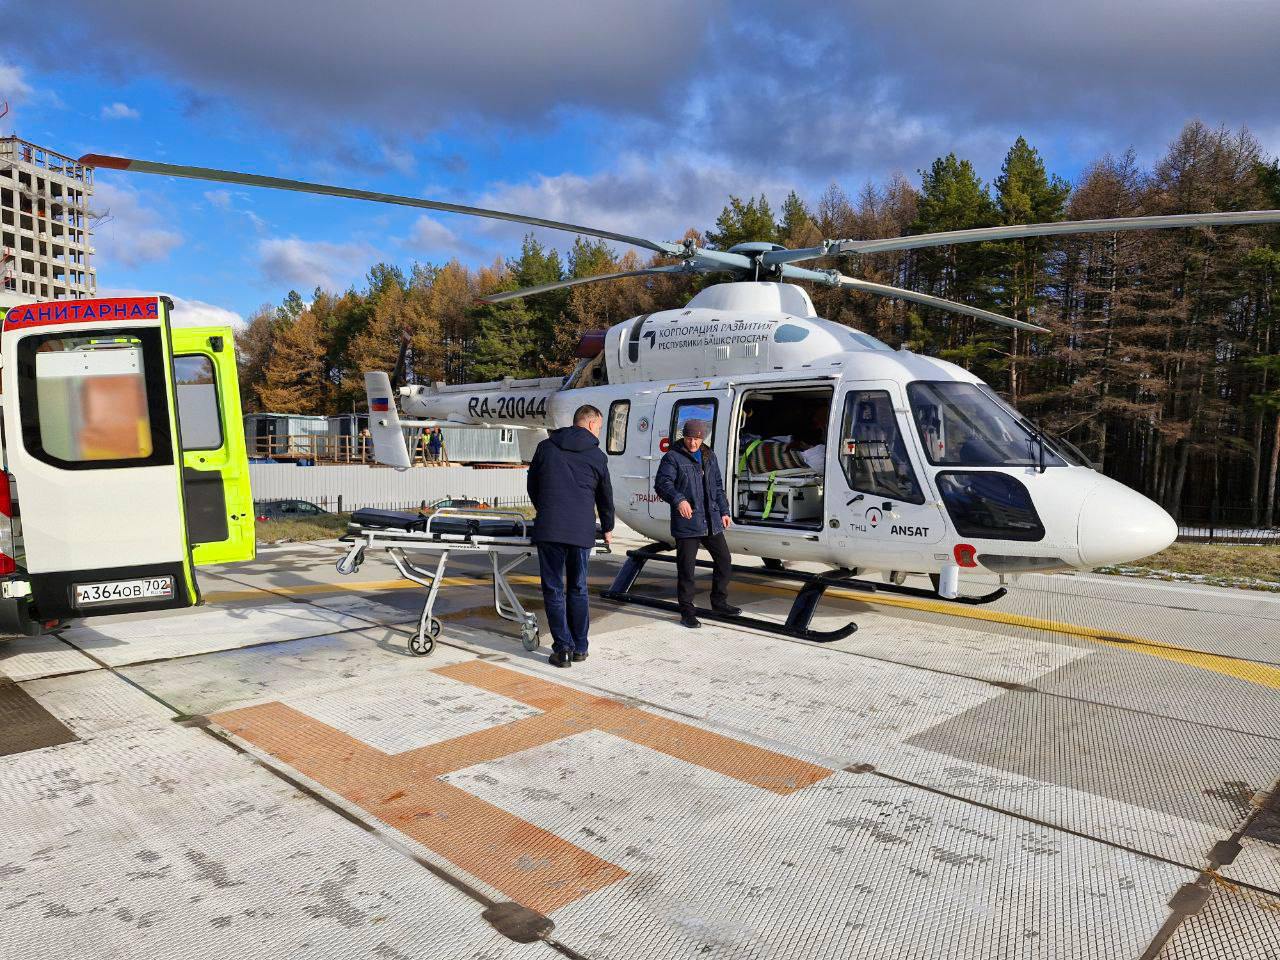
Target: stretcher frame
{"type": "Point", "coordinates": [504, 554]}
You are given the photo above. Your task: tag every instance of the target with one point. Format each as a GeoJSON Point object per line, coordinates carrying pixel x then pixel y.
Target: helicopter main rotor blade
{"type": "Point", "coordinates": [897, 293]}
{"type": "Point", "coordinates": [301, 186]}
{"type": "Point", "coordinates": [830, 278]}
{"type": "Point", "coordinates": [578, 281]}
{"type": "Point", "coordinates": [980, 234]}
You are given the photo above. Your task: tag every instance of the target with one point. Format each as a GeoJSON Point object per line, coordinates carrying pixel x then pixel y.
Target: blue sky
{"type": "Point", "coordinates": [635, 117]}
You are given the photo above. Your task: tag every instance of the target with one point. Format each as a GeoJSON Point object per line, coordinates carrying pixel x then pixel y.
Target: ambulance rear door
{"type": "Point", "coordinates": [91, 434]}
{"type": "Point", "coordinates": [215, 465]}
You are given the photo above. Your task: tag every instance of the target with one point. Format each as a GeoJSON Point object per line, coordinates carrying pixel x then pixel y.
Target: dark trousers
{"type": "Point", "coordinates": [686, 557]}
{"type": "Point", "coordinates": [564, 594]}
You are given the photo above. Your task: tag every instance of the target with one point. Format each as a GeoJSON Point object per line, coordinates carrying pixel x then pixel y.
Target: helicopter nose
{"type": "Point", "coordinates": [1118, 525]}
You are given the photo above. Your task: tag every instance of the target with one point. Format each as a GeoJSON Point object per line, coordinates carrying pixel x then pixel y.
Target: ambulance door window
{"type": "Point", "coordinates": [200, 425]}
{"type": "Point", "coordinates": [94, 402]}
{"type": "Point", "coordinates": [872, 451]}
{"type": "Point", "coordinates": [198, 414]}
{"type": "Point", "coordinates": [616, 438]}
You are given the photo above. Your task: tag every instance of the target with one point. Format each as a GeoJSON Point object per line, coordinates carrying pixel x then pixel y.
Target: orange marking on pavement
{"type": "Point", "coordinates": [530, 865]}
{"type": "Point", "coordinates": [733, 758]}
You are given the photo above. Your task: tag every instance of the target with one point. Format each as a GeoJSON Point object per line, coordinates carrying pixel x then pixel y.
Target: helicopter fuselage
{"type": "Point", "coordinates": [835, 447]}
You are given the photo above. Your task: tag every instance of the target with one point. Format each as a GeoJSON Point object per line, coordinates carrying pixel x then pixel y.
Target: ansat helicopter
{"type": "Point", "coordinates": [836, 447]}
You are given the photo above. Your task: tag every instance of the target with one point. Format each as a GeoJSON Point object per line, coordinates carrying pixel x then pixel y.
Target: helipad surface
{"type": "Point", "coordinates": [1084, 769]}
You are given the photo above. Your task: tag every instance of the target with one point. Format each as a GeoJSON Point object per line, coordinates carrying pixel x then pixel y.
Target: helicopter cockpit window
{"type": "Point", "coordinates": [961, 426]}
{"type": "Point", "coordinates": [1061, 445]}
{"type": "Point", "coordinates": [872, 451]}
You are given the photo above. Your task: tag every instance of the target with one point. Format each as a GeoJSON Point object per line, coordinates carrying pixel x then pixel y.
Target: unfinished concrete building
{"type": "Point", "coordinates": [45, 238]}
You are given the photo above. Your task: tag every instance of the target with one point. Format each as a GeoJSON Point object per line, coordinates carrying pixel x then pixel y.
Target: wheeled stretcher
{"type": "Point", "coordinates": [793, 495]}
{"type": "Point", "coordinates": [504, 537]}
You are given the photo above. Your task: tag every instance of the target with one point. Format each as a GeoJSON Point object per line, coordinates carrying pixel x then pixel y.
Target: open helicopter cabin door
{"type": "Point", "coordinates": [91, 434]}
{"type": "Point", "coordinates": [680, 404]}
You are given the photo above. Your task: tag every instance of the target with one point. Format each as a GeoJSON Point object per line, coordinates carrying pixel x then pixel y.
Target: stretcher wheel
{"type": "Point", "coordinates": [421, 646]}
{"type": "Point", "coordinates": [772, 563]}
{"type": "Point", "coordinates": [347, 566]}
{"type": "Point", "coordinates": [529, 638]}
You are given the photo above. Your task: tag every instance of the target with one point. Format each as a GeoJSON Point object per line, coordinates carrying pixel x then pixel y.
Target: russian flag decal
{"type": "Point", "coordinates": [379, 404]}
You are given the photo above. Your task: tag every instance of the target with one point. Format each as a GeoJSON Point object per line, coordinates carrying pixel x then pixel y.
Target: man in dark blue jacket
{"type": "Point", "coordinates": [689, 479]}
{"type": "Point", "coordinates": [568, 483]}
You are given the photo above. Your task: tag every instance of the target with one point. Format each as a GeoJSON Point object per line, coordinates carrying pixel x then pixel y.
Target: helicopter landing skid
{"type": "Point", "coordinates": [797, 622]}
{"type": "Point", "coordinates": [802, 608]}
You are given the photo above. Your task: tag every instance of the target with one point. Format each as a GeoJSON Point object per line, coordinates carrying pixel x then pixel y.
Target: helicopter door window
{"type": "Point", "coordinates": [687, 410]}
{"type": "Point", "coordinates": [616, 439]}
{"type": "Point", "coordinates": [872, 452]}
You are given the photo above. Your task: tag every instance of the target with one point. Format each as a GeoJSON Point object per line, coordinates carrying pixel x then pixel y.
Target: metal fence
{"type": "Point", "coordinates": [458, 445]}
{"type": "Point", "coordinates": [379, 486]}
{"type": "Point", "coordinates": [1224, 524]}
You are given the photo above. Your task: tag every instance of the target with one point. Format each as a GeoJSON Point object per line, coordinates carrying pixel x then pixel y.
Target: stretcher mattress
{"type": "Point", "coordinates": [446, 525]}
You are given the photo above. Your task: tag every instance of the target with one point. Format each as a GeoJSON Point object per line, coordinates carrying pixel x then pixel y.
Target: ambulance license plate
{"type": "Point", "coordinates": [124, 591]}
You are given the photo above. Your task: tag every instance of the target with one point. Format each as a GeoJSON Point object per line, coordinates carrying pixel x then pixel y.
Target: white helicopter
{"type": "Point", "coordinates": [836, 448]}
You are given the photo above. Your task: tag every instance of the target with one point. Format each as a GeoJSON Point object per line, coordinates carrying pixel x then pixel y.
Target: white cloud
{"type": "Point", "coordinates": [131, 232]}
{"type": "Point", "coordinates": [225, 200]}
{"type": "Point", "coordinates": [119, 111]}
{"type": "Point", "coordinates": [654, 200]}
{"type": "Point", "coordinates": [186, 313]}
{"type": "Point", "coordinates": [306, 264]}
{"type": "Point", "coordinates": [432, 235]}
{"type": "Point", "coordinates": [398, 159]}
{"type": "Point", "coordinates": [12, 85]}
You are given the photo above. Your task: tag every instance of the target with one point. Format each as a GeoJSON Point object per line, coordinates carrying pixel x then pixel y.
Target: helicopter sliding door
{"type": "Point", "coordinates": [672, 411]}
{"type": "Point", "coordinates": [887, 501]}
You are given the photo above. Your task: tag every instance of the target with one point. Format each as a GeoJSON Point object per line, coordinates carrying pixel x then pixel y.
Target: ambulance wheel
{"type": "Point", "coordinates": [529, 638]}
{"type": "Point", "coordinates": [772, 563]}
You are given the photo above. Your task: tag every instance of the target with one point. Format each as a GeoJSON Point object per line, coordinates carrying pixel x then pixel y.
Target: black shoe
{"type": "Point", "coordinates": [558, 659]}
{"type": "Point", "coordinates": [579, 657]}
{"type": "Point", "coordinates": [728, 609]}
{"type": "Point", "coordinates": [690, 621]}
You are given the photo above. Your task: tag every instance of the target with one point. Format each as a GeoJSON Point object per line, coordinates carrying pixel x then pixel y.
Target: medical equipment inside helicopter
{"type": "Point", "coordinates": [778, 475]}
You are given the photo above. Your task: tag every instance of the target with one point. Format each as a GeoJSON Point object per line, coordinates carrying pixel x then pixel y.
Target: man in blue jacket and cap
{"type": "Point", "coordinates": [689, 479]}
{"type": "Point", "coordinates": [568, 484]}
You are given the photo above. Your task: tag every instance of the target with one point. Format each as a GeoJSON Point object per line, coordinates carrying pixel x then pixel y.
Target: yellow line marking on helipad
{"type": "Point", "coordinates": [1259, 673]}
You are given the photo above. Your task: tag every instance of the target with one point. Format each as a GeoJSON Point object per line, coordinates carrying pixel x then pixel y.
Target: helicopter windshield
{"type": "Point", "coordinates": [961, 426]}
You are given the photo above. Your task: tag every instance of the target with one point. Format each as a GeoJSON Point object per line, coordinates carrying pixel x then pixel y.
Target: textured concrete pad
{"type": "Point", "coordinates": [275, 775]}
{"type": "Point", "coordinates": [166, 844]}
{"type": "Point", "coordinates": [118, 641]}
